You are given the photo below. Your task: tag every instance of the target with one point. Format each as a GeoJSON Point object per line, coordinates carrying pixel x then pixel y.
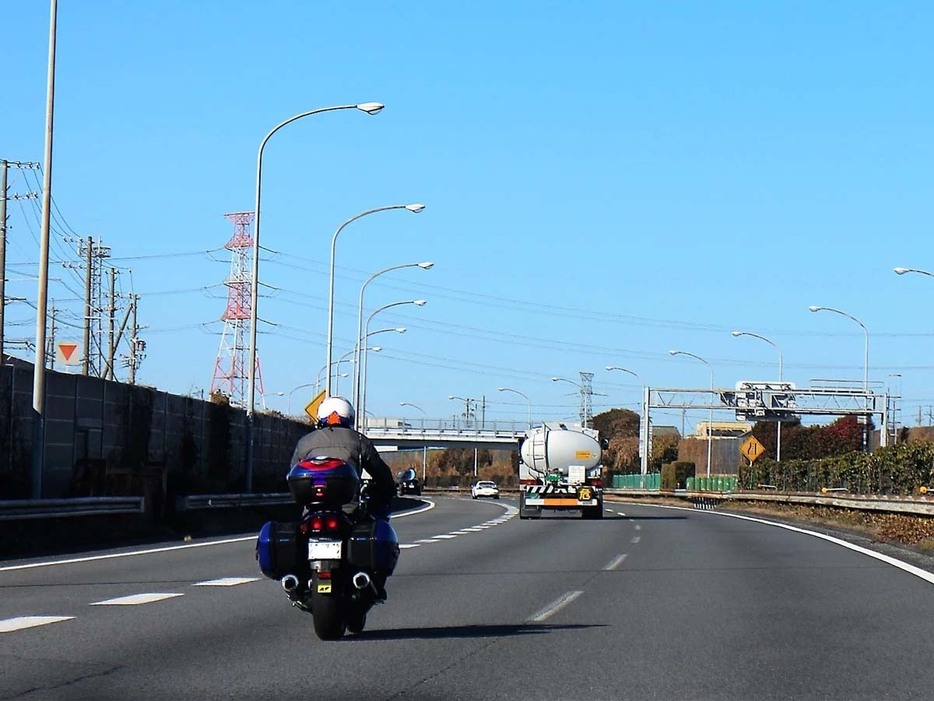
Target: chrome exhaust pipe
{"type": "Point", "coordinates": [361, 580]}
{"type": "Point", "coordinates": [289, 583]}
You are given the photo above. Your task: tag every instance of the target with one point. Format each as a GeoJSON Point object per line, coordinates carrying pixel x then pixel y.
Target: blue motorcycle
{"type": "Point", "coordinates": [335, 561]}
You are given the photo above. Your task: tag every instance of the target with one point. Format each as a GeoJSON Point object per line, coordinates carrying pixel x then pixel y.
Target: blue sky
{"type": "Point", "coordinates": [604, 181]}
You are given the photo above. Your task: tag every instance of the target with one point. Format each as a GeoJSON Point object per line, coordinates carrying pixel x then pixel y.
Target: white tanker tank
{"type": "Point", "coordinates": [559, 468]}
{"type": "Point", "coordinates": [555, 449]}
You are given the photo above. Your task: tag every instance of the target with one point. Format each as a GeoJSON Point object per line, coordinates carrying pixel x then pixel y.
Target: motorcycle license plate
{"type": "Point", "coordinates": [324, 550]}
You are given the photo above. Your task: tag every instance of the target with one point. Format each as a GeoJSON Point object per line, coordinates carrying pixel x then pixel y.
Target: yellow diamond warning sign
{"type": "Point", "coordinates": [752, 449]}
{"type": "Point", "coordinates": [312, 408]}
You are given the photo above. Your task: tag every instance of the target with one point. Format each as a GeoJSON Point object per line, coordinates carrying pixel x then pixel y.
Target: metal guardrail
{"type": "Point", "coordinates": [230, 501]}
{"type": "Point", "coordinates": [891, 504]}
{"type": "Point", "coordinates": [18, 509]}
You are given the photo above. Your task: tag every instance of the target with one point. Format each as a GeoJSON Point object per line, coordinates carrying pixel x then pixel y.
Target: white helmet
{"type": "Point", "coordinates": [335, 411]}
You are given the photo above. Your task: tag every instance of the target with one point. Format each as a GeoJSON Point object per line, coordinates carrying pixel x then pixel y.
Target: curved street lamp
{"type": "Point", "coordinates": [294, 389]}
{"type": "Point", "coordinates": [515, 391]}
{"type": "Point", "coordinates": [424, 447]}
{"type": "Point", "coordinates": [363, 355]}
{"type": "Point", "coordinates": [643, 424]}
{"type": "Point", "coordinates": [710, 407]}
{"type": "Point", "coordinates": [427, 265]}
{"type": "Point", "coordinates": [902, 271]}
{"type": "Point", "coordinates": [815, 308]}
{"type": "Point", "coordinates": [617, 367]}
{"type": "Point", "coordinates": [580, 389]}
{"type": "Point", "coordinates": [414, 208]}
{"type": "Point", "coordinates": [778, 429]}
{"type": "Point", "coordinates": [467, 401]}
{"type": "Point", "coordinates": [366, 107]}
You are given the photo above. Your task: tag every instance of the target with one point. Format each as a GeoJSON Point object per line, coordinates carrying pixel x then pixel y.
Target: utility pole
{"type": "Point", "coordinates": [4, 197]}
{"type": "Point", "coordinates": [136, 345]}
{"type": "Point", "coordinates": [86, 364]}
{"type": "Point", "coordinates": [112, 308]}
{"type": "Point", "coordinates": [4, 167]}
{"type": "Point", "coordinates": [50, 351]}
{"type": "Point", "coordinates": [93, 253]}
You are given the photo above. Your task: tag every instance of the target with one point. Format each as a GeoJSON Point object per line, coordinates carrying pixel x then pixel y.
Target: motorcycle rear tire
{"type": "Point", "coordinates": [356, 619]}
{"type": "Point", "coordinates": [328, 613]}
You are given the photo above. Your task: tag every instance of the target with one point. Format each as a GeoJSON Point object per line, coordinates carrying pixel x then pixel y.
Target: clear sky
{"type": "Point", "coordinates": [604, 181]}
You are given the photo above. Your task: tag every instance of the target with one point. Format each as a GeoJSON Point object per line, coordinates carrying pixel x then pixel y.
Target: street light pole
{"type": "Point", "coordinates": [515, 391]}
{"type": "Point", "coordinates": [368, 108]}
{"type": "Point", "coordinates": [815, 308]}
{"type": "Point", "coordinates": [902, 271]}
{"type": "Point", "coordinates": [294, 389]}
{"type": "Point", "coordinates": [414, 208]}
{"type": "Point", "coordinates": [425, 446]}
{"type": "Point", "coordinates": [427, 265]}
{"type": "Point", "coordinates": [643, 424]}
{"type": "Point", "coordinates": [363, 353]}
{"type": "Point", "coordinates": [778, 429]}
{"type": "Point", "coordinates": [467, 401]}
{"type": "Point", "coordinates": [709, 407]}
{"type": "Point", "coordinates": [38, 370]}
{"type": "Point", "coordinates": [580, 389]}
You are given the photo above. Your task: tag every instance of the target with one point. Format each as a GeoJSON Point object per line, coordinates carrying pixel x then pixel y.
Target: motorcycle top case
{"type": "Point", "coordinates": [323, 481]}
{"type": "Point", "coordinates": [374, 546]}
{"type": "Point", "coordinates": [279, 549]}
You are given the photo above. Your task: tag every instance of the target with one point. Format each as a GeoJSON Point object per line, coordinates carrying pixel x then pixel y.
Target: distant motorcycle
{"type": "Point", "coordinates": [335, 561]}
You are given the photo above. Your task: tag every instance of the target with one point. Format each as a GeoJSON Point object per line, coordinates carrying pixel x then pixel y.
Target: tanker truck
{"type": "Point", "coordinates": [559, 469]}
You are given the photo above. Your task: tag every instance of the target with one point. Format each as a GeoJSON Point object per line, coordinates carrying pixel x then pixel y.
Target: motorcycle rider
{"type": "Point", "coordinates": [335, 437]}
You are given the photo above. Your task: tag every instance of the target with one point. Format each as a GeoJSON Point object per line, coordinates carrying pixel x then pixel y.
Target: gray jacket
{"type": "Point", "coordinates": [344, 443]}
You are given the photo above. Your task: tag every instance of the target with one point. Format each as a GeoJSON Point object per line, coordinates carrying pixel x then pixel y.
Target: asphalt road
{"type": "Point", "coordinates": [659, 603]}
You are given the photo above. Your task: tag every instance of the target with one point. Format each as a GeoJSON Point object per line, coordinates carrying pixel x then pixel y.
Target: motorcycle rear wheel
{"type": "Point", "coordinates": [328, 612]}
{"type": "Point", "coordinates": [356, 618]}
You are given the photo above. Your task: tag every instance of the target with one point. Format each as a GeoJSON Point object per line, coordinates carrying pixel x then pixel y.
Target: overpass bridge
{"type": "Point", "coordinates": [428, 433]}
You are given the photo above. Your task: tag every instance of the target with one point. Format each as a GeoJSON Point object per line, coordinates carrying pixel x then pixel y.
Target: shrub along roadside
{"type": "Point", "coordinates": [900, 469]}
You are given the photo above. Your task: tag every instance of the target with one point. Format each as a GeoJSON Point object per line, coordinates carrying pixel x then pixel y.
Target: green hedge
{"type": "Point", "coordinates": [900, 469]}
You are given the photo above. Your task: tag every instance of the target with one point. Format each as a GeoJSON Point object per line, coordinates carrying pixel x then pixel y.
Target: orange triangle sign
{"type": "Point", "coordinates": [67, 349]}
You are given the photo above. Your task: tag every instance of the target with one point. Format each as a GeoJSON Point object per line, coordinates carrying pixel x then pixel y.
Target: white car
{"type": "Point", "coordinates": [484, 489]}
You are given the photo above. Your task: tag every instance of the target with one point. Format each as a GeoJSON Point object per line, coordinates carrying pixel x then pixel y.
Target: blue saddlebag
{"type": "Point", "coordinates": [279, 549]}
{"type": "Point", "coordinates": [374, 546]}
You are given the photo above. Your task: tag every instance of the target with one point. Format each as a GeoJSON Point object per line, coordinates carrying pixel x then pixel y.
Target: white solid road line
{"type": "Point", "coordinates": [136, 599]}
{"type": "Point", "coordinates": [904, 566]}
{"type": "Point", "coordinates": [554, 607]}
{"type": "Point", "coordinates": [20, 622]}
{"type": "Point", "coordinates": [226, 582]}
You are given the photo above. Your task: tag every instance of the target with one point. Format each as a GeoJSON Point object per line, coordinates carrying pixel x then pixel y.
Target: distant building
{"type": "Point", "coordinates": [722, 429]}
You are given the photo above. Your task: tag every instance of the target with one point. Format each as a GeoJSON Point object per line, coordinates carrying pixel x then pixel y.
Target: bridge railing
{"type": "Point", "coordinates": [452, 426]}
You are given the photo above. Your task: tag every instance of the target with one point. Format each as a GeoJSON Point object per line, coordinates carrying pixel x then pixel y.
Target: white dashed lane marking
{"type": "Point", "coordinates": [554, 607]}
{"type": "Point", "coordinates": [446, 536]}
{"type": "Point", "coordinates": [615, 562]}
{"type": "Point", "coordinates": [21, 622]}
{"type": "Point", "coordinates": [136, 599]}
{"type": "Point", "coordinates": [226, 582]}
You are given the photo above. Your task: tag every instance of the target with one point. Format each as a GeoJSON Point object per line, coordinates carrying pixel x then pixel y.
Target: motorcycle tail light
{"type": "Point", "coordinates": [331, 523]}
{"type": "Point", "coordinates": [320, 491]}
{"type": "Point", "coordinates": [596, 483]}
{"type": "Point", "coordinates": [317, 523]}
{"type": "Point", "coordinates": [324, 574]}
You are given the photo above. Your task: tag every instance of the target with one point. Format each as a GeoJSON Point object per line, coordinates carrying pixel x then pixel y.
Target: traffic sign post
{"type": "Point", "coordinates": [66, 353]}
{"type": "Point", "coordinates": [752, 449]}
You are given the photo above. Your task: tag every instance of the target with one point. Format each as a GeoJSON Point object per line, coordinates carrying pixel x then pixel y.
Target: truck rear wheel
{"type": "Point", "coordinates": [592, 512]}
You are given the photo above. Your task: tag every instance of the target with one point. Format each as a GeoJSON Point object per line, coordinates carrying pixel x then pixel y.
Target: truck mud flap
{"type": "Point", "coordinates": [528, 511]}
